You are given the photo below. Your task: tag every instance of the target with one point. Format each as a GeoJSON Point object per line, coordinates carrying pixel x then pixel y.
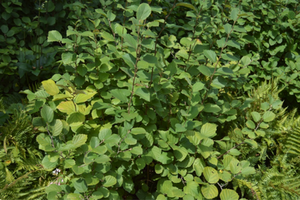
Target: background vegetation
{"type": "Point", "coordinates": [149, 99]}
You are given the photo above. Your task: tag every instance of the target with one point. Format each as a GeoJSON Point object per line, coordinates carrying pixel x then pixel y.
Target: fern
{"type": "Point", "coordinates": [256, 194]}
{"type": "Point", "coordinates": [20, 170]}
{"type": "Point", "coordinates": [25, 187]}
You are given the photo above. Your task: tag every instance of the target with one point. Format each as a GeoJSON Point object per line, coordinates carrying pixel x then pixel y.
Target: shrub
{"type": "Point", "coordinates": [158, 101]}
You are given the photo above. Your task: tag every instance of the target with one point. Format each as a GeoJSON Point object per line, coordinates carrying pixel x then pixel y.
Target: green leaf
{"type": "Point", "coordinates": [192, 188]}
{"type": "Point", "coordinates": [67, 58]}
{"type": "Point", "coordinates": [109, 181]}
{"type": "Point", "coordinates": [227, 28]}
{"type": "Point", "coordinates": [256, 116]}
{"type": "Point", "coordinates": [47, 113]}
{"type": "Point", "coordinates": [75, 118]}
{"type": "Point", "coordinates": [121, 94]}
{"type": "Point", "coordinates": [4, 29]}
{"type": "Point", "coordinates": [152, 60]}
{"type": "Point", "coordinates": [104, 133]}
{"type": "Point", "coordinates": [211, 175]}
{"type": "Point", "coordinates": [54, 36]}
{"type": "Point", "coordinates": [234, 152]}
{"type": "Point", "coordinates": [221, 43]}
{"type": "Point", "coordinates": [138, 131]}
{"type": "Point", "coordinates": [180, 153]}
{"type": "Point", "coordinates": [211, 55]}
{"type": "Point", "coordinates": [53, 188]}
{"type": "Point", "coordinates": [277, 104]}
{"type": "Point", "coordinates": [56, 127]}
{"type": "Point", "coordinates": [80, 185]}
{"type": "Point", "coordinates": [291, 14]}
{"type": "Point", "coordinates": [211, 108]}
{"type": "Point", "coordinates": [130, 141]}
{"type": "Point", "coordinates": [268, 116]}
{"type": "Point", "coordinates": [107, 36]}
{"type": "Point", "coordinates": [219, 82]}
{"type": "Point", "coordinates": [79, 140]}
{"type": "Point", "coordinates": [100, 149]}
{"type": "Point", "coordinates": [80, 98]}
{"type": "Point", "coordinates": [131, 40]}
{"type": "Point", "coordinates": [198, 166]}
{"type": "Point", "coordinates": [102, 159]}
{"type": "Point", "coordinates": [143, 93]}
{"type": "Point", "coordinates": [111, 16]}
{"type": "Point", "coordinates": [187, 5]}
{"type": "Point", "coordinates": [205, 70]}
{"type": "Point", "coordinates": [208, 130]}
{"type": "Point", "coordinates": [245, 61]}
{"type": "Point", "coordinates": [251, 143]}
{"type": "Point", "coordinates": [179, 128]}
{"type": "Point", "coordinates": [66, 107]}
{"type": "Point", "coordinates": [209, 191]}
{"type": "Point", "coordinates": [129, 60]}
{"type": "Point", "coordinates": [129, 117]}
{"type": "Point", "coordinates": [161, 197]}
{"type": "Point", "coordinates": [250, 124]}
{"type": "Point", "coordinates": [197, 86]}
{"type": "Point", "coordinates": [50, 87]}
{"type": "Point", "coordinates": [74, 196]}
{"type": "Point", "coordinates": [228, 194]}
{"type": "Point", "coordinates": [248, 170]}
{"type": "Point", "coordinates": [188, 197]}
{"type": "Point", "coordinates": [234, 14]}
{"type": "Point", "coordinates": [112, 139]}
{"type": "Point", "coordinates": [233, 43]}
{"type": "Point", "coordinates": [265, 106]}
{"type": "Point", "coordinates": [143, 11]}
{"type": "Point", "coordinates": [47, 164]}
{"type": "Point", "coordinates": [225, 176]}
{"type": "Point", "coordinates": [137, 150]}
{"type": "Point", "coordinates": [68, 163]}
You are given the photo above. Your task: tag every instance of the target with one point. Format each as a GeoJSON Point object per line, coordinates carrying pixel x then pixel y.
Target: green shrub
{"type": "Point", "coordinates": [169, 100]}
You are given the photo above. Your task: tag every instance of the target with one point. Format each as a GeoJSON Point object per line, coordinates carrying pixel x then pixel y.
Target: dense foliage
{"type": "Point", "coordinates": [150, 100]}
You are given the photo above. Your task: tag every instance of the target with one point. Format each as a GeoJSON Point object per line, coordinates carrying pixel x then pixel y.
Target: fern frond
{"type": "Point", "coordinates": [253, 188]}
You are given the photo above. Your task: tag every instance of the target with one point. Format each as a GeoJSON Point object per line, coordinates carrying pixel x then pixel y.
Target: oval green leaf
{"type": "Point", "coordinates": [50, 87]}
{"type": "Point", "coordinates": [209, 191]}
{"type": "Point", "coordinates": [211, 175]}
{"type": "Point", "coordinates": [188, 5]}
{"type": "Point", "coordinates": [79, 140]}
{"type": "Point", "coordinates": [256, 116]}
{"type": "Point", "coordinates": [47, 113]}
{"type": "Point", "coordinates": [143, 11]}
{"type": "Point", "coordinates": [80, 98]}
{"type": "Point", "coordinates": [250, 124]}
{"type": "Point", "coordinates": [268, 116]}
{"type": "Point", "coordinates": [228, 194]}
{"type": "Point", "coordinates": [211, 55]}
{"type": "Point", "coordinates": [75, 117]}
{"type": "Point", "coordinates": [56, 127]}
{"type": "Point", "coordinates": [109, 181]}
{"type": "Point", "coordinates": [66, 107]}
{"type": "Point", "coordinates": [131, 41]}
{"type": "Point", "coordinates": [208, 130]}
{"type": "Point", "coordinates": [54, 36]}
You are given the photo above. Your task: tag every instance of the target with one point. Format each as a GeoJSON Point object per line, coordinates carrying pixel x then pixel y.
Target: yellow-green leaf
{"type": "Point", "coordinates": [80, 98]}
{"type": "Point", "coordinates": [66, 107]}
{"type": "Point", "coordinates": [50, 87]}
{"type": "Point", "coordinates": [61, 96]}
{"type": "Point", "coordinates": [209, 191]}
{"type": "Point", "coordinates": [228, 194]}
{"type": "Point", "coordinates": [211, 175]}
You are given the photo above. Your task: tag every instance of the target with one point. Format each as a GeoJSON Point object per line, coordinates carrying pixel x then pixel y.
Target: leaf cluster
{"type": "Point", "coordinates": [170, 100]}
